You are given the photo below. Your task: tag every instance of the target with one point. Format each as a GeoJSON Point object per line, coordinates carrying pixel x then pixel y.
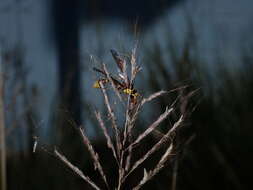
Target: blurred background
{"type": "Point", "coordinates": [48, 49]}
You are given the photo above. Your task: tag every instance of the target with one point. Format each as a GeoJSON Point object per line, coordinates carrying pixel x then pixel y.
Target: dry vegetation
{"type": "Point", "coordinates": [122, 142]}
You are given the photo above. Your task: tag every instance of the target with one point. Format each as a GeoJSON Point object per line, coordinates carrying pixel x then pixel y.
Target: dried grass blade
{"type": "Point", "coordinates": [161, 118]}
{"type": "Point", "coordinates": [166, 155]}
{"type": "Point", "coordinates": [127, 121]}
{"type": "Point", "coordinates": [94, 155]}
{"type": "Point", "coordinates": [128, 159]}
{"type": "Point", "coordinates": [134, 68]}
{"type": "Point", "coordinates": [133, 118]}
{"type": "Point", "coordinates": [113, 119]}
{"type": "Point", "coordinates": [160, 93]}
{"type": "Point", "coordinates": [156, 146]}
{"type": "Point", "coordinates": [127, 134]}
{"type": "Point", "coordinates": [149, 175]}
{"type": "Point", "coordinates": [75, 169]}
{"type": "Point", "coordinates": [107, 136]}
{"type": "Point", "coordinates": [153, 96]}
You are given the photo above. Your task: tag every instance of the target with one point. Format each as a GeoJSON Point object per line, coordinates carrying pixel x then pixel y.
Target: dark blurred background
{"type": "Point", "coordinates": [46, 68]}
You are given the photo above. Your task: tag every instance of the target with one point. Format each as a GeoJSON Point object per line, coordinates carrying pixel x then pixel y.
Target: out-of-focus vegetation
{"type": "Point", "coordinates": [219, 156]}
